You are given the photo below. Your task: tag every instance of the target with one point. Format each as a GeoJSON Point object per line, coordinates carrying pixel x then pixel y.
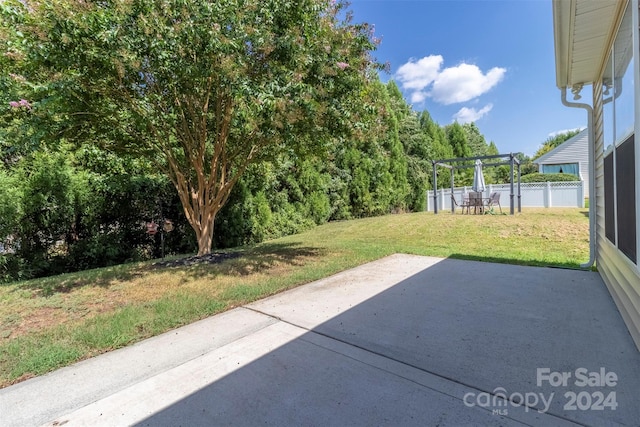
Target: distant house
{"type": "Point", "coordinates": [572, 156]}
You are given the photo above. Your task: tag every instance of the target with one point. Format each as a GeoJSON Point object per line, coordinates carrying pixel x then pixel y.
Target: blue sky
{"type": "Point", "coordinates": [487, 61]}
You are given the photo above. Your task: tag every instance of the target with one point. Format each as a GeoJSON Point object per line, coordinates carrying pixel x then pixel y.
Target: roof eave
{"type": "Point", "coordinates": [562, 23]}
{"type": "Point", "coordinates": [583, 31]}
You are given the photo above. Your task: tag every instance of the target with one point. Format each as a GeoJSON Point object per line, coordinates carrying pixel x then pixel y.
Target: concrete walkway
{"type": "Point", "coordinates": [405, 340]}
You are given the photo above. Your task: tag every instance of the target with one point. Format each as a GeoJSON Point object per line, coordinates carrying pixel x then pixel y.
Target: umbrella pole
{"type": "Point", "coordinates": [435, 189]}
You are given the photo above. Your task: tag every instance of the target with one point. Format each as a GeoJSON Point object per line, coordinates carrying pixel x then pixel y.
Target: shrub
{"type": "Point", "coordinates": [549, 177]}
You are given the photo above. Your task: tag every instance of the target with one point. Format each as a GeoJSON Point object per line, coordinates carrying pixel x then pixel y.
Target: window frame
{"type": "Point", "coordinates": [610, 122]}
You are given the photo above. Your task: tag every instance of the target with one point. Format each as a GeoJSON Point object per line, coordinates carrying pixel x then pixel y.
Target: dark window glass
{"type": "Point", "coordinates": [609, 211]}
{"type": "Point", "coordinates": [626, 196]}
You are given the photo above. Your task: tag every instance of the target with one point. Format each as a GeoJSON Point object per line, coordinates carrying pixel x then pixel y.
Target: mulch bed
{"type": "Point", "coordinates": [212, 258]}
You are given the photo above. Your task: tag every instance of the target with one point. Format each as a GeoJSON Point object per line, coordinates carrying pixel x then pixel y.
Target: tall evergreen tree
{"type": "Point", "coordinates": [457, 138]}
{"type": "Point", "coordinates": [477, 143]}
{"type": "Point", "coordinates": [492, 149]}
{"type": "Point", "coordinates": [440, 146]}
{"type": "Point", "coordinates": [418, 148]}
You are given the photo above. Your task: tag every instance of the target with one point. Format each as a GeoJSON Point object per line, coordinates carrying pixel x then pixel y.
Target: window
{"type": "Point", "coordinates": [626, 198]}
{"type": "Point", "coordinates": [572, 168]}
{"type": "Point", "coordinates": [609, 200]}
{"type": "Point", "coordinates": [618, 120]}
{"type": "Point", "coordinates": [623, 80]}
{"type": "Point", "coordinates": [607, 105]}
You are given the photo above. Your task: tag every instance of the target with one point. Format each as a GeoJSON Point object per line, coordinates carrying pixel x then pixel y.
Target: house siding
{"type": "Point", "coordinates": [598, 135]}
{"type": "Point", "coordinates": [596, 35]}
{"type": "Point", "coordinates": [620, 275]}
{"type": "Point", "coordinates": [574, 150]}
{"type": "Point", "coordinates": [622, 280]}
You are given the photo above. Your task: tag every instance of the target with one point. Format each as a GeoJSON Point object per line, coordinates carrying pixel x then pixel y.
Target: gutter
{"type": "Point", "coordinates": [592, 176]}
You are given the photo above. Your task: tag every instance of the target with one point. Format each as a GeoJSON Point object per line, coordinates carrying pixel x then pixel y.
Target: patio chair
{"type": "Point", "coordinates": [464, 203]}
{"type": "Point", "coordinates": [494, 199]}
{"type": "Point", "coordinates": [475, 201]}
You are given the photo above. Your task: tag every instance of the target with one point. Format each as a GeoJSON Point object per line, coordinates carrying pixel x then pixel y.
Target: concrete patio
{"type": "Point", "coordinates": [405, 340]}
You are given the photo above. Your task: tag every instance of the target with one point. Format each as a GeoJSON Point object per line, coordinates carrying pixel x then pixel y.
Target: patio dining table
{"type": "Point", "coordinates": [477, 202]}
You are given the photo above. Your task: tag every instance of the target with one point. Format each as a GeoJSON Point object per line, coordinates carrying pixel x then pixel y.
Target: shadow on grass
{"type": "Point", "coordinates": [65, 283]}
{"type": "Point", "coordinates": [243, 261]}
{"type": "Point", "coordinates": [516, 261]}
{"type": "Point", "coordinates": [237, 261]}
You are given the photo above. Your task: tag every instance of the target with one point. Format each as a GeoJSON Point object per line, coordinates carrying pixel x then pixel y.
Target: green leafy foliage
{"type": "Point", "coordinates": [477, 144]}
{"type": "Point", "coordinates": [457, 138]}
{"type": "Point", "coordinates": [418, 148]}
{"type": "Point", "coordinates": [202, 89]}
{"type": "Point", "coordinates": [65, 211]}
{"type": "Point", "coordinates": [549, 177]}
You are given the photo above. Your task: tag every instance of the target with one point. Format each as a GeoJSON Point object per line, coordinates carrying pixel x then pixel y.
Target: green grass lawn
{"type": "Point", "coordinates": [53, 322]}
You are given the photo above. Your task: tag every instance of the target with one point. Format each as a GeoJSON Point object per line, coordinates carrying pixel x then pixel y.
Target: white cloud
{"type": "Point", "coordinates": [464, 83]}
{"type": "Point", "coordinates": [469, 115]}
{"type": "Point", "coordinates": [418, 97]}
{"type": "Point", "coordinates": [417, 75]}
{"type": "Point", "coordinates": [426, 78]}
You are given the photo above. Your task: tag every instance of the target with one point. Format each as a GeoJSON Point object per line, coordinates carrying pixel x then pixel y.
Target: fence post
{"type": "Point", "coordinates": [547, 196]}
{"type": "Point", "coordinates": [511, 195]}
{"type": "Point", "coordinates": [519, 191]}
{"type": "Point", "coordinates": [435, 188]}
{"type": "Point", "coordinates": [451, 198]}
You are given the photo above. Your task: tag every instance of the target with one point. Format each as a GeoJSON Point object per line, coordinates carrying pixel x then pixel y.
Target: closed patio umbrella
{"type": "Point", "coordinates": [478, 187]}
{"type": "Point", "coordinates": [478, 178]}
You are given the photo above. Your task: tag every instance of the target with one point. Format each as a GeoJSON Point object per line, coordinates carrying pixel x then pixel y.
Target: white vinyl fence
{"type": "Point", "coordinates": [534, 195]}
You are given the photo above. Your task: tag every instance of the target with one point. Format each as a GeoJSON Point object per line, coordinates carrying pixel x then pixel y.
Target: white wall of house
{"type": "Point", "coordinates": [573, 150]}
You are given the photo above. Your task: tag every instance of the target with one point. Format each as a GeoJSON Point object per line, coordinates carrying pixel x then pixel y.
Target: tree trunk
{"type": "Point", "coordinates": [205, 237]}
{"type": "Point", "coordinates": [204, 178]}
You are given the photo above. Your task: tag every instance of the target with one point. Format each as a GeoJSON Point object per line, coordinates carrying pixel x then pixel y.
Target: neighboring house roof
{"type": "Point", "coordinates": [570, 145]}
{"type": "Point", "coordinates": [582, 30]}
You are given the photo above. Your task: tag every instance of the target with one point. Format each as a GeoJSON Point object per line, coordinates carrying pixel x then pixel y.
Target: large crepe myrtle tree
{"type": "Point", "coordinates": [202, 88]}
